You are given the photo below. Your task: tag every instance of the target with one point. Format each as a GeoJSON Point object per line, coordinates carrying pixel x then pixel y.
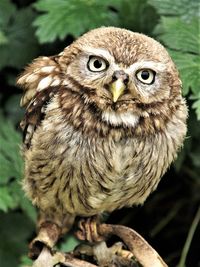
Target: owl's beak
{"type": "Point", "coordinates": [117, 89]}
{"type": "Point", "coordinates": [119, 81]}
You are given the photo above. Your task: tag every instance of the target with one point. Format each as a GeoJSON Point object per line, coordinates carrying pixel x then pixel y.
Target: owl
{"type": "Point", "coordinates": [104, 120]}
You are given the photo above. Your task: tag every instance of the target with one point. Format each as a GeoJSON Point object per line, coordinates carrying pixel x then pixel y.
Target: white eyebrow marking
{"type": "Point", "coordinates": [98, 52]}
{"type": "Point", "coordinates": [156, 66]}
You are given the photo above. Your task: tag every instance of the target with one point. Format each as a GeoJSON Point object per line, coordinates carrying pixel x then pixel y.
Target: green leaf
{"type": "Point", "coordinates": [183, 40]}
{"type": "Point", "coordinates": [137, 16]}
{"type": "Point", "coordinates": [21, 201]}
{"type": "Point", "coordinates": [179, 30]}
{"type": "Point", "coordinates": [74, 17]}
{"type": "Point", "coordinates": [3, 39]}
{"type": "Point", "coordinates": [7, 9]}
{"type": "Point", "coordinates": [189, 68]}
{"type": "Point", "coordinates": [10, 159]}
{"type": "Point", "coordinates": [180, 35]}
{"type": "Point", "coordinates": [196, 106]}
{"type": "Point", "coordinates": [186, 9]}
{"type": "Point", "coordinates": [21, 45]}
{"type": "Point", "coordinates": [6, 201]}
{"type": "Point", "coordinates": [12, 110]}
{"type": "Point", "coordinates": [11, 194]}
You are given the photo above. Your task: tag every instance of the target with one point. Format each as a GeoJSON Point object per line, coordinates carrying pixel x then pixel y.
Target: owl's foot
{"type": "Point", "coordinates": [88, 230]}
{"type": "Point", "coordinates": [47, 236]}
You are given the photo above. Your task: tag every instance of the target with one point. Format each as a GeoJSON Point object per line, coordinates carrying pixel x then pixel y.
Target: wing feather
{"type": "Point", "coordinates": [40, 81]}
{"type": "Point", "coordinates": [42, 73]}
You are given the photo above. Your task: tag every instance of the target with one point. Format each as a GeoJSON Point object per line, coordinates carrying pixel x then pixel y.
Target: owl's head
{"type": "Point", "coordinates": [125, 74]}
{"type": "Point", "coordinates": [126, 77]}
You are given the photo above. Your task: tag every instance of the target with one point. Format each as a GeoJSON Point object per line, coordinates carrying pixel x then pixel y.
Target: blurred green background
{"type": "Point", "coordinates": [169, 219]}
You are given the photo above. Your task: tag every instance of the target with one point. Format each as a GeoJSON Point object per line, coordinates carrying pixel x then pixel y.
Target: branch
{"type": "Point", "coordinates": [142, 251]}
{"type": "Point", "coordinates": [138, 249]}
{"type": "Point", "coordinates": [46, 259]}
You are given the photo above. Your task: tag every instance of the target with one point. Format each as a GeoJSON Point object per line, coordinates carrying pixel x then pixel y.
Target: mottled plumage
{"type": "Point", "coordinates": [89, 148]}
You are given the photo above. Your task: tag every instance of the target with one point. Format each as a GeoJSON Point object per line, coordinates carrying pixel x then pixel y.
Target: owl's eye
{"type": "Point", "coordinates": [146, 76]}
{"type": "Point", "coordinates": [97, 64]}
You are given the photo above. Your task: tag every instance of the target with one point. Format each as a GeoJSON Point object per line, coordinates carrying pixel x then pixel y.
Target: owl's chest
{"type": "Point", "coordinates": [92, 175]}
{"type": "Point", "coordinates": [105, 154]}
{"type": "Point", "coordinates": [101, 155]}
{"type": "Point", "coordinates": [93, 172]}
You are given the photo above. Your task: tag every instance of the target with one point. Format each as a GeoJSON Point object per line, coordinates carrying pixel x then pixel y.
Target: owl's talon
{"type": "Point", "coordinates": [88, 230]}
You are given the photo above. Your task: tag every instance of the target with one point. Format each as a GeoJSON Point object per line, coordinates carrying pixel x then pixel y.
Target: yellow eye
{"type": "Point", "coordinates": [146, 76]}
{"type": "Point", "coordinates": [97, 64]}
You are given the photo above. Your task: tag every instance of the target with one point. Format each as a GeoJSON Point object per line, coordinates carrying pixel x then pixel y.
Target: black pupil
{"type": "Point", "coordinates": [97, 64]}
{"type": "Point", "coordinates": [145, 75]}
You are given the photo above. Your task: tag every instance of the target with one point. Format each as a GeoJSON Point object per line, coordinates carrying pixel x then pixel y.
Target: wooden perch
{"type": "Point", "coordinates": [138, 251]}
{"type": "Point", "coordinates": [141, 250]}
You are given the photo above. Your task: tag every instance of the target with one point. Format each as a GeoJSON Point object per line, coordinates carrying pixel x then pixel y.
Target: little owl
{"type": "Point", "coordinates": [104, 120]}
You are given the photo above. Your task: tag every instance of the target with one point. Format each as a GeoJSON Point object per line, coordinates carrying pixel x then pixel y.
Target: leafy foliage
{"type": "Point", "coordinates": [11, 195]}
{"type": "Point", "coordinates": [45, 27]}
{"type": "Point", "coordinates": [11, 162]}
{"type": "Point", "coordinates": [137, 16]}
{"type": "Point", "coordinates": [179, 31]}
{"type": "Point", "coordinates": [185, 9]}
{"type": "Point", "coordinates": [17, 41]}
{"type": "Point", "coordinates": [71, 17]}
{"type": "Point", "coordinates": [185, 52]}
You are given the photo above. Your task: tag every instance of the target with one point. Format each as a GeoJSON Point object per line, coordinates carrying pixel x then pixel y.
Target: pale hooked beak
{"type": "Point", "coordinates": [117, 89]}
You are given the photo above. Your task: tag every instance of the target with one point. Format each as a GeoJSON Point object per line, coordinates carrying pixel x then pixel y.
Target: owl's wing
{"type": "Point", "coordinates": [40, 82]}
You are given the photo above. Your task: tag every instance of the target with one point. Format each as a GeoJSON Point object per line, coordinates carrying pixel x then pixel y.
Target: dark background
{"type": "Point", "coordinates": [169, 218]}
